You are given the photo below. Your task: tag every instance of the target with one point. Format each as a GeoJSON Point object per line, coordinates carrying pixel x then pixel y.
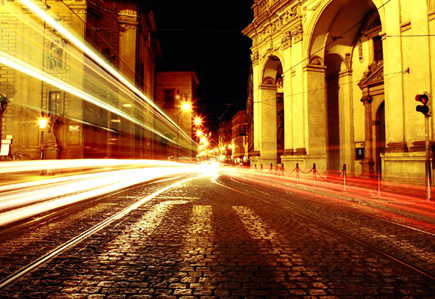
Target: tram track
{"type": "Point", "coordinates": [341, 233]}
{"type": "Point", "coordinates": [34, 220]}
{"type": "Point", "coordinates": [86, 234]}
{"type": "Point", "coordinates": [373, 208]}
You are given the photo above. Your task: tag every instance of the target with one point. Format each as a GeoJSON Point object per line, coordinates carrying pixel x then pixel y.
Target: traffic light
{"type": "Point", "coordinates": [422, 98]}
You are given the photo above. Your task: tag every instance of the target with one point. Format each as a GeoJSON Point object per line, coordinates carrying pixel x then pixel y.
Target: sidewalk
{"type": "Point", "coordinates": [350, 186]}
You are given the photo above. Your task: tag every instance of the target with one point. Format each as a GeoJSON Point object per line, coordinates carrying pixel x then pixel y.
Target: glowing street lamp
{"type": "Point", "coordinates": [197, 121]}
{"type": "Point", "coordinates": [185, 106]}
{"type": "Point", "coordinates": [42, 125]}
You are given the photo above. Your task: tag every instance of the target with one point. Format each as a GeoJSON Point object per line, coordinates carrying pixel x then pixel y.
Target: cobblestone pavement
{"type": "Point", "coordinates": [202, 240]}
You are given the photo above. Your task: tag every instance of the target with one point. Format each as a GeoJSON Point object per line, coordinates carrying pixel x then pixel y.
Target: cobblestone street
{"type": "Point", "coordinates": [201, 240]}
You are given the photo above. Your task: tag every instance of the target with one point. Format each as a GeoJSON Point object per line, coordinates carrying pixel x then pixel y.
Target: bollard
{"type": "Point", "coordinates": [261, 168]}
{"type": "Point", "coordinates": [344, 177]}
{"type": "Point", "coordinates": [314, 173]}
{"type": "Point", "coordinates": [378, 170]}
{"type": "Point", "coordinates": [297, 173]}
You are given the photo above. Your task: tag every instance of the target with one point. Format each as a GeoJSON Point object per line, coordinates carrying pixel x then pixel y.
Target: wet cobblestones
{"type": "Point", "coordinates": [205, 241]}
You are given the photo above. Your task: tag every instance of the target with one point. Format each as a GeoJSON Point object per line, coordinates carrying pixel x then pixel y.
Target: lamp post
{"type": "Point", "coordinates": [42, 124]}
{"type": "Point", "coordinates": [185, 106]}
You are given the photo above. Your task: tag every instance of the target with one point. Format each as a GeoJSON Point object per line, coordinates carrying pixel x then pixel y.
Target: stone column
{"type": "Point", "coordinates": [128, 22]}
{"type": "Point", "coordinates": [315, 113]}
{"type": "Point", "coordinates": [268, 123]}
{"type": "Point", "coordinates": [368, 163]}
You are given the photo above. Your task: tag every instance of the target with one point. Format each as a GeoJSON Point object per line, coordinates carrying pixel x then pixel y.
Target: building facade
{"type": "Point", "coordinates": [87, 67]}
{"type": "Point", "coordinates": [225, 141]}
{"type": "Point", "coordinates": [334, 83]}
{"type": "Point", "coordinates": [239, 140]}
{"type": "Point", "coordinates": [176, 94]}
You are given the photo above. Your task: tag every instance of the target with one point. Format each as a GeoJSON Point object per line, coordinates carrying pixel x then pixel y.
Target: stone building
{"type": "Point", "coordinates": [239, 140]}
{"type": "Point", "coordinates": [225, 141]}
{"type": "Point", "coordinates": [87, 67]}
{"type": "Point", "coordinates": [176, 93]}
{"type": "Point", "coordinates": [334, 83]}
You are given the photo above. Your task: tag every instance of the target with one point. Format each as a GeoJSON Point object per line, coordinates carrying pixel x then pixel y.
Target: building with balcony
{"type": "Point", "coordinates": [334, 83]}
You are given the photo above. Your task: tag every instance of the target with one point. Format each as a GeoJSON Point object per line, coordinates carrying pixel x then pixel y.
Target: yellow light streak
{"type": "Point", "coordinates": [94, 56]}
{"type": "Point", "coordinates": [21, 66]}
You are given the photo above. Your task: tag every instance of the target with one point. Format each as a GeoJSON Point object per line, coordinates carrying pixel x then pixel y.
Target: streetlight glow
{"type": "Point", "coordinates": [186, 106]}
{"type": "Point", "coordinates": [198, 121]}
{"type": "Point", "coordinates": [42, 123]}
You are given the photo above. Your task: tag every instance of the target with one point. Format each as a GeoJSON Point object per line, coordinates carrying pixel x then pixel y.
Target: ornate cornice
{"type": "Point", "coordinates": [128, 19]}
{"type": "Point", "coordinates": [276, 22]}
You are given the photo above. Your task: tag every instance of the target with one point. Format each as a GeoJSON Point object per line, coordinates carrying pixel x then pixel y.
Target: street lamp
{"type": "Point", "coordinates": [185, 106]}
{"type": "Point", "coordinates": [42, 125]}
{"type": "Point", "coordinates": [197, 121]}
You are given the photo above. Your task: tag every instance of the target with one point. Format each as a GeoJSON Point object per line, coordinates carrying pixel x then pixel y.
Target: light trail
{"type": "Point", "coordinates": [72, 242]}
{"type": "Point", "coordinates": [89, 76]}
{"type": "Point", "coordinates": [90, 53]}
{"type": "Point", "coordinates": [20, 200]}
{"type": "Point", "coordinates": [14, 63]}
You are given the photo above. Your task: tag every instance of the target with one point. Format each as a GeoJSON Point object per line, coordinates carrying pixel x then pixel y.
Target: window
{"type": "Point", "coordinates": [377, 49]}
{"type": "Point", "coordinates": [55, 106]}
{"type": "Point", "coordinates": [169, 98]}
{"type": "Point", "coordinates": [56, 55]}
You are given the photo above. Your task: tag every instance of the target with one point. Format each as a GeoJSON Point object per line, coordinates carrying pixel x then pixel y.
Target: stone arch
{"type": "Point", "coordinates": [336, 30]}
{"type": "Point", "coordinates": [323, 27]}
{"type": "Point", "coordinates": [272, 69]}
{"type": "Point", "coordinates": [316, 60]}
{"type": "Point", "coordinates": [334, 64]}
{"type": "Point", "coordinates": [271, 111]}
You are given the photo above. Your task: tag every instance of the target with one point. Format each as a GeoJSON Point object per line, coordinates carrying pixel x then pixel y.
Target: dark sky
{"type": "Point", "coordinates": [205, 36]}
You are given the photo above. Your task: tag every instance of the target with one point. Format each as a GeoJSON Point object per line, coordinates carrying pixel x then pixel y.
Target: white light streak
{"type": "Point", "coordinates": [23, 67]}
{"type": "Point", "coordinates": [79, 44]}
{"type": "Point", "coordinates": [74, 190]}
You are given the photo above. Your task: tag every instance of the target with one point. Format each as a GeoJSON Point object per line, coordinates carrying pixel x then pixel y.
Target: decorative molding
{"type": "Point", "coordinates": [373, 76]}
{"type": "Point", "coordinates": [298, 33]}
{"type": "Point", "coordinates": [273, 22]}
{"type": "Point", "coordinates": [286, 41]}
{"type": "Point", "coordinates": [315, 68]}
{"type": "Point", "coordinates": [366, 100]}
{"type": "Point", "coordinates": [255, 58]}
{"type": "Point", "coordinates": [128, 19]}
{"type": "Point", "coordinates": [288, 152]}
{"type": "Point", "coordinates": [300, 152]}
{"type": "Point", "coordinates": [360, 50]}
{"type": "Point", "coordinates": [398, 147]}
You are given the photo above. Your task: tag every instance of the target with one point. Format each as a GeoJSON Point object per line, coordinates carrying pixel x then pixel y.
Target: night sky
{"type": "Point", "coordinates": [205, 36]}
